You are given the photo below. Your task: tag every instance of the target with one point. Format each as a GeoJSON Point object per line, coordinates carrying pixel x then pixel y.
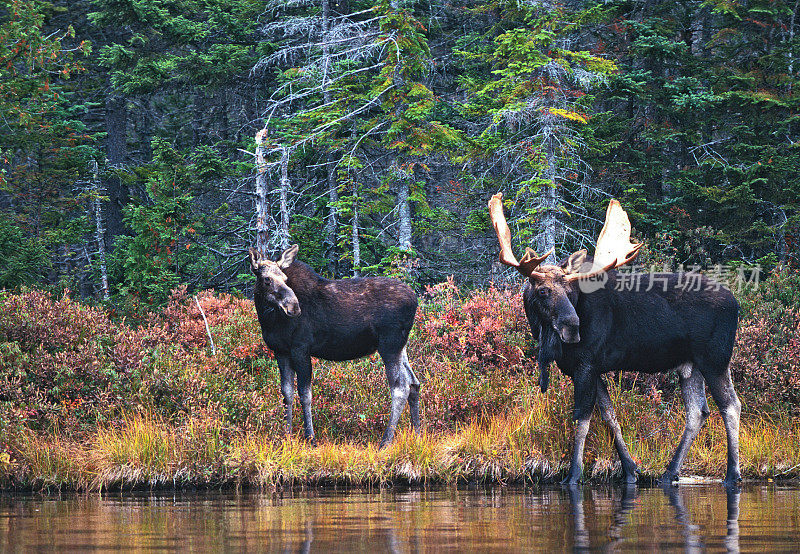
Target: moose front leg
{"type": "Point", "coordinates": [287, 388]}
{"type": "Point", "coordinates": [302, 367]}
{"type": "Point", "coordinates": [585, 398]}
{"type": "Point", "coordinates": [607, 412]}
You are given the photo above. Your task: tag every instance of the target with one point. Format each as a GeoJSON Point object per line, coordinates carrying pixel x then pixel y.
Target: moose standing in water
{"type": "Point", "coordinates": [303, 314]}
{"type": "Point", "coordinates": [590, 321]}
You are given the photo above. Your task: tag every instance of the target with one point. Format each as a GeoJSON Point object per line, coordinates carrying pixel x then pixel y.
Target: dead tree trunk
{"type": "Point", "coordinates": [550, 203]}
{"type": "Point", "coordinates": [332, 223]}
{"type": "Point", "coordinates": [98, 192]}
{"type": "Point", "coordinates": [404, 215]}
{"type": "Point", "coordinates": [285, 238]}
{"type": "Point", "coordinates": [356, 241]}
{"type": "Point", "coordinates": [402, 190]}
{"type": "Point", "coordinates": [262, 207]}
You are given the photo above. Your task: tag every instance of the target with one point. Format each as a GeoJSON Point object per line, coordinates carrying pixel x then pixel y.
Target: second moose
{"type": "Point", "coordinates": [303, 314]}
{"type": "Point", "coordinates": [591, 322]}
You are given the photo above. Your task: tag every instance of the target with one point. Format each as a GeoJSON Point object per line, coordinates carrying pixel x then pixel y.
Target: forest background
{"type": "Point", "coordinates": [144, 145]}
{"type": "Point", "coordinates": [127, 132]}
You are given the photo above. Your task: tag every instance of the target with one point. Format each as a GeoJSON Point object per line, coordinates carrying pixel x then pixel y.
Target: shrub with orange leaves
{"type": "Point", "coordinates": [766, 359]}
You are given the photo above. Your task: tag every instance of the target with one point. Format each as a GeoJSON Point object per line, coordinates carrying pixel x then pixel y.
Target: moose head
{"type": "Point", "coordinates": [555, 288]}
{"type": "Point", "coordinates": [271, 280]}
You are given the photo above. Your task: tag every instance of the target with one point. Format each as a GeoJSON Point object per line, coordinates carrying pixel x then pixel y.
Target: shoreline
{"type": "Point", "coordinates": [396, 485]}
{"type": "Point", "coordinates": [89, 403]}
{"type": "Point", "coordinates": [505, 450]}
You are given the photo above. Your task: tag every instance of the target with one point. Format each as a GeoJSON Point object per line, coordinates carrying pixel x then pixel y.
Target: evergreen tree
{"type": "Point", "coordinates": [44, 149]}
{"type": "Point", "coordinates": [536, 104]}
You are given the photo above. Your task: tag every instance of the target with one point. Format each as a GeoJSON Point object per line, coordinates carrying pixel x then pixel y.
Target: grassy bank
{"type": "Point", "coordinates": [519, 448]}
{"type": "Point", "coordinates": [89, 401]}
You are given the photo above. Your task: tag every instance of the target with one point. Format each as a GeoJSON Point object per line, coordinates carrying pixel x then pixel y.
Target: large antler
{"type": "Point", "coordinates": [530, 261]}
{"type": "Point", "coordinates": [614, 247]}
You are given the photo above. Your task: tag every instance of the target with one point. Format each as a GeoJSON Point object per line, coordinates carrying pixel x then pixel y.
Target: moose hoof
{"type": "Point", "coordinates": [732, 481]}
{"type": "Point", "coordinates": [667, 479]}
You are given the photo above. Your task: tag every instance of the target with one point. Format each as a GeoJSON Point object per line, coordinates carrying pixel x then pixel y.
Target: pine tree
{"type": "Point", "coordinates": [536, 105]}
{"type": "Point", "coordinates": [44, 148]}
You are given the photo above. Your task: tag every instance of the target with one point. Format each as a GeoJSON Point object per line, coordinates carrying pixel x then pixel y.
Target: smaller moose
{"type": "Point", "coordinates": [303, 314]}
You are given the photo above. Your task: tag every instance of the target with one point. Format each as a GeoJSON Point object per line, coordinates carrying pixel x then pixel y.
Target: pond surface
{"type": "Point", "coordinates": [689, 517]}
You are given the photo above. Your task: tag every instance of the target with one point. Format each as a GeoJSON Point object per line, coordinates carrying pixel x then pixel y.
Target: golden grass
{"type": "Point", "coordinates": [529, 445]}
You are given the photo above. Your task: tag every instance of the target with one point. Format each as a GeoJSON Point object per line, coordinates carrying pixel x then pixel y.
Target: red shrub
{"type": "Point", "coordinates": [487, 330]}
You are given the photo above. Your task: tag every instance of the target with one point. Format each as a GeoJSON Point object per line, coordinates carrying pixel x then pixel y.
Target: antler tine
{"type": "Point", "coordinates": [501, 229]}
{"type": "Point", "coordinates": [530, 261]}
{"type": "Point", "coordinates": [614, 246]}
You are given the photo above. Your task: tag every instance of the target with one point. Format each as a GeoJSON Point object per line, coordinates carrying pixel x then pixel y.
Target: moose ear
{"type": "Point", "coordinates": [288, 256]}
{"type": "Point", "coordinates": [255, 256]}
{"type": "Point", "coordinates": [575, 261]}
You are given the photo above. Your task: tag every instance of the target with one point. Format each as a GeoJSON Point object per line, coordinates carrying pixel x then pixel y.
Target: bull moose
{"type": "Point", "coordinates": [303, 314]}
{"type": "Point", "coordinates": [589, 321]}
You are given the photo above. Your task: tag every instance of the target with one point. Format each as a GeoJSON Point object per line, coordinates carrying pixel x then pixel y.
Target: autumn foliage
{"type": "Point", "coordinates": [72, 370]}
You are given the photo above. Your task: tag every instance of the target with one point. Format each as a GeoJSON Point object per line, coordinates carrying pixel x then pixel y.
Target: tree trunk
{"type": "Point", "coordinates": [100, 230]}
{"type": "Point", "coordinates": [262, 207]}
{"type": "Point", "coordinates": [403, 210]}
{"type": "Point", "coordinates": [332, 223]}
{"type": "Point", "coordinates": [547, 239]}
{"type": "Point", "coordinates": [285, 184]}
{"type": "Point", "coordinates": [355, 239]}
{"type": "Point", "coordinates": [116, 116]}
{"type": "Point", "coordinates": [791, 36]}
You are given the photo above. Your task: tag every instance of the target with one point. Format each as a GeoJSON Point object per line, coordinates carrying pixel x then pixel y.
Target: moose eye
{"type": "Point", "coordinates": [543, 292]}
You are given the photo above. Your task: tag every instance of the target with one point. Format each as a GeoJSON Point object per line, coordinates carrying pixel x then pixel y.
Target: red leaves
{"type": "Point", "coordinates": [486, 330]}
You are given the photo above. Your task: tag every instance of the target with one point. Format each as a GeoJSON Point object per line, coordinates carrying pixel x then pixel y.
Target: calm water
{"type": "Point", "coordinates": [700, 517]}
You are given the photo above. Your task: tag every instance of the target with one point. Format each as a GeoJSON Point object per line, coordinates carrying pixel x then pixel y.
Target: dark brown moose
{"type": "Point", "coordinates": [590, 321]}
{"type": "Point", "coordinates": [303, 314]}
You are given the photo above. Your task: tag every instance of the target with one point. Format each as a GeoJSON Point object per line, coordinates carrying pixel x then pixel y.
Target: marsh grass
{"type": "Point", "coordinates": [518, 447]}
{"type": "Point", "coordinates": [45, 463]}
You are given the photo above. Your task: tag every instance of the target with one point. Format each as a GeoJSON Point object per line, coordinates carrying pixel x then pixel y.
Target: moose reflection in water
{"type": "Point", "coordinates": [689, 517]}
{"type": "Point", "coordinates": [691, 533]}
{"type": "Point", "coordinates": [303, 314]}
{"type": "Point", "coordinates": [590, 328]}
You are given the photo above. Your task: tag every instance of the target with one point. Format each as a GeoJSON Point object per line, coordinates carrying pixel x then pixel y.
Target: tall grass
{"type": "Point", "coordinates": [141, 452]}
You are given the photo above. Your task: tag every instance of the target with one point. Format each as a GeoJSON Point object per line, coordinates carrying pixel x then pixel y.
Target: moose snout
{"type": "Point", "coordinates": [568, 330]}
{"type": "Point", "coordinates": [292, 309]}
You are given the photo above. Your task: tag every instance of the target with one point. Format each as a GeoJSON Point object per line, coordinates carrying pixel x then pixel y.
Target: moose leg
{"type": "Point", "coordinates": [399, 388]}
{"type": "Point", "coordinates": [730, 408]}
{"type": "Point", "coordinates": [302, 367]}
{"type": "Point", "coordinates": [287, 388]}
{"type": "Point", "coordinates": [585, 397]}
{"type": "Point", "coordinates": [693, 392]}
{"type": "Point", "coordinates": [607, 412]}
{"type": "Point", "coordinates": [413, 394]}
